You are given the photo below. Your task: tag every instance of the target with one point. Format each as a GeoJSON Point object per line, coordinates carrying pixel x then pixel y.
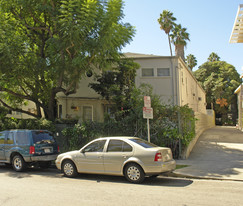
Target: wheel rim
{"type": "Point", "coordinates": [68, 169]}
{"type": "Point", "coordinates": [133, 173]}
{"type": "Point", "coordinates": [17, 163]}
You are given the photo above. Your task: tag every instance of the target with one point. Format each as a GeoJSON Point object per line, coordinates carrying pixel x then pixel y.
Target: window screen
{"type": "Point", "coordinates": [148, 72]}
{"type": "Point", "coordinates": [161, 72]}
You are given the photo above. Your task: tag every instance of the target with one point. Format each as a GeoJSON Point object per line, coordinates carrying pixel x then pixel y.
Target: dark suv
{"type": "Point", "coordinates": [23, 148]}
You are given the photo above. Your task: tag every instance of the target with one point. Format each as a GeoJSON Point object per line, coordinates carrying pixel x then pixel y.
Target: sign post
{"type": "Point", "coordinates": [147, 112]}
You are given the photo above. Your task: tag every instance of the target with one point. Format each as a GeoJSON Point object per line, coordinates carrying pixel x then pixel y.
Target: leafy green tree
{"type": "Point", "coordinates": [118, 84]}
{"type": "Point", "coordinates": [167, 22]}
{"type": "Point", "coordinates": [46, 47]}
{"type": "Point", "coordinates": [191, 61]}
{"type": "Point", "coordinates": [179, 38]}
{"type": "Point", "coordinates": [213, 57]}
{"type": "Point", "coordinates": [219, 79]}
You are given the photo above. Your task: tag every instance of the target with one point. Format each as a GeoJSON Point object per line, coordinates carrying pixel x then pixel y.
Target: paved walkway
{"type": "Point", "coordinates": [218, 154]}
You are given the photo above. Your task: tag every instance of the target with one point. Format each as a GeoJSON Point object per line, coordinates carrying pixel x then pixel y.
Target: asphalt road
{"type": "Point", "coordinates": [49, 187]}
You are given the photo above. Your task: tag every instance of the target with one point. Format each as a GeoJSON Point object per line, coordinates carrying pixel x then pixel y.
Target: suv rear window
{"type": "Point", "coordinates": [42, 136]}
{"type": "Point", "coordinates": [144, 143]}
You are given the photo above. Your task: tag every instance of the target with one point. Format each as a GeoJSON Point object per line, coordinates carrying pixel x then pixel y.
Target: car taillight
{"type": "Point", "coordinates": [32, 150]}
{"type": "Point", "coordinates": [58, 148]}
{"type": "Point", "coordinates": [158, 157]}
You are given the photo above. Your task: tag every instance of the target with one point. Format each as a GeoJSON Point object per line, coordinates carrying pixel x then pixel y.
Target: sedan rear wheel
{"type": "Point", "coordinates": [134, 173]}
{"type": "Point", "coordinates": [69, 169]}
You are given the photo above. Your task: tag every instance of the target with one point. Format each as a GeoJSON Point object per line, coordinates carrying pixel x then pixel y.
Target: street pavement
{"type": "Point", "coordinates": [218, 154]}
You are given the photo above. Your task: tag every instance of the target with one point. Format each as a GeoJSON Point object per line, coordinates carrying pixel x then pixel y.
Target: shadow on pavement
{"type": "Point", "coordinates": [218, 153]}
{"type": "Point", "coordinates": [54, 173]}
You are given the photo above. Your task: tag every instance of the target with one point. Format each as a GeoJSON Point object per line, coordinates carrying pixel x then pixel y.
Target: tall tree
{"type": "Point", "coordinates": [117, 85]}
{"type": "Point", "coordinates": [219, 79]}
{"type": "Point", "coordinates": [191, 61]}
{"type": "Point", "coordinates": [213, 57]}
{"type": "Point", "coordinates": [179, 38]}
{"type": "Point", "coordinates": [167, 22]}
{"type": "Point", "coordinates": [46, 47]}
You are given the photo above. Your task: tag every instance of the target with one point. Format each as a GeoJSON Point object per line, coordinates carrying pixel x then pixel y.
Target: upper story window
{"type": "Point", "coordinates": [163, 72]}
{"type": "Point", "coordinates": [148, 72]}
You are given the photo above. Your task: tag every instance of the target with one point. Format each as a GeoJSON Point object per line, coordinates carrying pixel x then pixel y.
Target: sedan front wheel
{"type": "Point", "coordinates": [69, 169]}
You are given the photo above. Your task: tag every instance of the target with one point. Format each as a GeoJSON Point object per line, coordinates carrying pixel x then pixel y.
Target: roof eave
{"type": "Point", "coordinates": [237, 31]}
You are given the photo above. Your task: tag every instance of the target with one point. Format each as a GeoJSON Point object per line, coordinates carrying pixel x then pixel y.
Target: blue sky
{"type": "Point", "coordinates": [209, 23]}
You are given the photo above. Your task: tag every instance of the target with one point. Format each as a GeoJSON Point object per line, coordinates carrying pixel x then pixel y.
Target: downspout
{"type": "Point", "coordinates": [172, 81]}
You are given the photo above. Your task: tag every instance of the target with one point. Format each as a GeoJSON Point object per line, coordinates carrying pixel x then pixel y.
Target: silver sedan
{"type": "Point", "coordinates": [132, 157]}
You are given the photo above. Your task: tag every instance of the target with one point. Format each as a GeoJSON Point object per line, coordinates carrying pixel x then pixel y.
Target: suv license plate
{"type": "Point", "coordinates": [47, 150]}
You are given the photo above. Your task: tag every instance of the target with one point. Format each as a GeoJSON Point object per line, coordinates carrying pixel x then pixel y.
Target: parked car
{"type": "Point", "coordinates": [129, 156]}
{"type": "Point", "coordinates": [23, 148]}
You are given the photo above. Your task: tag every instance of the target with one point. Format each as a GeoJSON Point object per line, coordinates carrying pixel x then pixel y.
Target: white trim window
{"type": "Point", "coordinates": [87, 113]}
{"type": "Point", "coordinates": [147, 72]}
{"type": "Point", "coordinates": [163, 72]}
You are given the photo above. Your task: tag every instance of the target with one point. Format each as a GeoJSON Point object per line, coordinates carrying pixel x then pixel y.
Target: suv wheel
{"type": "Point", "coordinates": [134, 173]}
{"type": "Point", "coordinates": [69, 169]}
{"type": "Point", "coordinates": [18, 163]}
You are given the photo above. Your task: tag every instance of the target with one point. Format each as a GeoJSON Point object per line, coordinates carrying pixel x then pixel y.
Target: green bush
{"type": "Point", "coordinates": [13, 123]}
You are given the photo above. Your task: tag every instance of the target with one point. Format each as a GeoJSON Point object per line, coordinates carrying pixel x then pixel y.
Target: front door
{"type": "Point", "coordinates": [117, 153]}
{"type": "Point", "coordinates": [91, 158]}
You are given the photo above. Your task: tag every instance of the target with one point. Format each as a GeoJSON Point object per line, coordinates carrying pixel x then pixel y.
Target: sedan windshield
{"type": "Point", "coordinates": [144, 143]}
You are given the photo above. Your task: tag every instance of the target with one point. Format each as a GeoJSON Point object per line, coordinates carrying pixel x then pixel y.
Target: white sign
{"type": "Point", "coordinates": [147, 113]}
{"type": "Point", "coordinates": [147, 101]}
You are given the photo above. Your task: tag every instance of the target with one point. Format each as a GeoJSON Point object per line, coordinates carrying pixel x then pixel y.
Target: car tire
{"type": "Point", "coordinates": [18, 163]}
{"type": "Point", "coordinates": [69, 169]}
{"type": "Point", "coordinates": [134, 173]}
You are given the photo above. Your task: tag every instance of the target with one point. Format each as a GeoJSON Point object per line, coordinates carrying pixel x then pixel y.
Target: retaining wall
{"type": "Point", "coordinates": [204, 121]}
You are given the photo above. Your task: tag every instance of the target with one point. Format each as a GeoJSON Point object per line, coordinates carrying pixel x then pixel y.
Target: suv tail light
{"type": "Point", "coordinates": [58, 149]}
{"type": "Point", "coordinates": [32, 150]}
{"type": "Point", "coordinates": [158, 157]}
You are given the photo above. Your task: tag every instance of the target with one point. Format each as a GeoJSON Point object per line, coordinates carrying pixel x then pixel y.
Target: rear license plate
{"type": "Point", "coordinates": [47, 150]}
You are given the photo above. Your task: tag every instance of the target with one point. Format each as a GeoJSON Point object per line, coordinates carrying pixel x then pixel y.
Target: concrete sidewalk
{"type": "Point", "coordinates": [218, 154]}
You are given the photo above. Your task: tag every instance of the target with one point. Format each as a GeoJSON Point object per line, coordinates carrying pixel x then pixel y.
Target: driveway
{"type": "Point", "coordinates": [218, 154]}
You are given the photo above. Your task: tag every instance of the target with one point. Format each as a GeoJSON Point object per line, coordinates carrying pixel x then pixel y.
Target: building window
{"type": "Point", "coordinates": [163, 72]}
{"type": "Point", "coordinates": [148, 72]}
{"type": "Point", "coordinates": [87, 113]}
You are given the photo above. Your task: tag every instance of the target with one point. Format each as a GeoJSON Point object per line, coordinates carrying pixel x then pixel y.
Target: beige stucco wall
{"type": "Point", "coordinates": [162, 86]}
{"type": "Point", "coordinates": [204, 121]}
{"type": "Point", "coordinates": [190, 92]}
{"type": "Point", "coordinates": [239, 93]}
{"type": "Point", "coordinates": [73, 105]}
{"type": "Point", "coordinates": [180, 88]}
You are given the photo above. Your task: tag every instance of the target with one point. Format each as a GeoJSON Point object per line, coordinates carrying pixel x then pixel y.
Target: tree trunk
{"type": "Point", "coordinates": [169, 44]}
{"type": "Point", "coordinates": [179, 51]}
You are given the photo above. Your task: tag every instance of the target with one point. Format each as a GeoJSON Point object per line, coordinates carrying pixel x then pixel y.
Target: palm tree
{"type": "Point", "coordinates": [191, 61]}
{"type": "Point", "coordinates": [213, 57]}
{"type": "Point", "coordinates": [166, 22]}
{"type": "Point", "coordinates": [179, 37]}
